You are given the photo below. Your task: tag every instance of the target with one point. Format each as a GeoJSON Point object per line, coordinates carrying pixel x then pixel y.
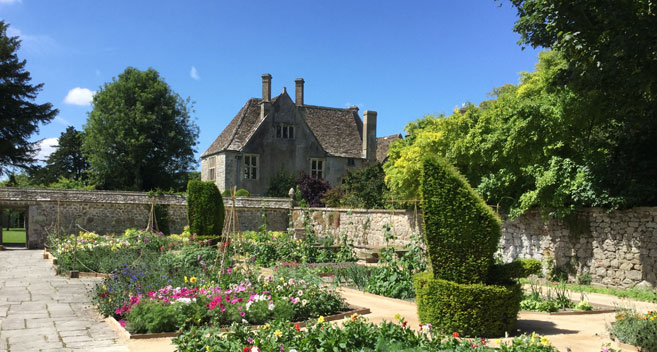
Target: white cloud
{"type": "Point", "coordinates": [46, 147]}
{"type": "Point", "coordinates": [194, 73]}
{"type": "Point", "coordinates": [79, 96]}
{"type": "Point", "coordinates": [62, 121]}
{"type": "Point", "coordinates": [36, 44]}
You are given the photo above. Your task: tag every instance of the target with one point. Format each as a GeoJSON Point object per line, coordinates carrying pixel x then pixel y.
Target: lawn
{"type": "Point", "coordinates": [13, 235]}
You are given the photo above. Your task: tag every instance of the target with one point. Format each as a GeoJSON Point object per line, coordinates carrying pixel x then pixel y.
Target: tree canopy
{"type": "Point", "coordinates": [65, 162]}
{"type": "Point", "coordinates": [139, 135]}
{"type": "Point", "coordinates": [20, 116]}
{"type": "Point", "coordinates": [529, 146]}
{"type": "Point", "coordinates": [610, 64]}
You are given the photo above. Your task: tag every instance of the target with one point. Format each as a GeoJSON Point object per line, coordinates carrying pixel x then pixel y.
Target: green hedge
{"type": "Point", "coordinates": [469, 309]}
{"type": "Point", "coordinates": [205, 208]}
{"type": "Point", "coordinates": [242, 193]}
{"type": "Point", "coordinates": [508, 272]}
{"type": "Point", "coordinates": [461, 231]}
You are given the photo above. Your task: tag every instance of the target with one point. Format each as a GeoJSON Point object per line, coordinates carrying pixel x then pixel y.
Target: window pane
{"type": "Point", "coordinates": [278, 131]}
{"type": "Point", "coordinates": [247, 160]}
{"type": "Point", "coordinates": [246, 172]}
{"type": "Point", "coordinates": [320, 165]}
{"type": "Point", "coordinates": [253, 172]}
{"type": "Point", "coordinates": [284, 131]}
{"type": "Point", "coordinates": [291, 132]}
{"type": "Point", "coordinates": [313, 164]}
{"type": "Point", "coordinates": [320, 174]}
{"type": "Point", "coordinates": [254, 161]}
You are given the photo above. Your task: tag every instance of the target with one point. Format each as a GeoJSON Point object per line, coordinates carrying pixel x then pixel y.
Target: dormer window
{"type": "Point", "coordinates": [284, 131]}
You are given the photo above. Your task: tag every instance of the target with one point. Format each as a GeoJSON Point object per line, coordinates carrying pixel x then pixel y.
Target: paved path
{"type": "Point", "coordinates": [43, 312]}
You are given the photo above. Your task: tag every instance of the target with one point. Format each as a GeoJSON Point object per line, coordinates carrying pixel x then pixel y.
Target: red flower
{"type": "Point", "coordinates": [404, 323]}
{"type": "Point", "coordinates": [455, 334]}
{"type": "Point", "coordinates": [296, 326]}
{"type": "Point", "coordinates": [246, 349]}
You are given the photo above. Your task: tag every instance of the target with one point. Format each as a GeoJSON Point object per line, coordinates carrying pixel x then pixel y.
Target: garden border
{"type": "Point", "coordinates": [72, 274]}
{"type": "Point", "coordinates": [114, 324]}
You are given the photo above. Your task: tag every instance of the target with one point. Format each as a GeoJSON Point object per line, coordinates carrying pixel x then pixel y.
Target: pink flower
{"type": "Point", "coordinates": [123, 323]}
{"type": "Point", "coordinates": [242, 314]}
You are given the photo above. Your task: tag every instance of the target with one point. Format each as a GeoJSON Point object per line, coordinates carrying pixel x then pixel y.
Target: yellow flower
{"type": "Point", "coordinates": [266, 284]}
{"type": "Point", "coordinates": [320, 319]}
{"type": "Point", "coordinates": [192, 279]}
{"type": "Point", "coordinates": [282, 280]}
{"type": "Point", "coordinates": [354, 317]}
{"type": "Point", "coordinates": [267, 326]}
{"type": "Point", "coordinates": [278, 333]}
{"type": "Point", "coordinates": [497, 341]}
{"type": "Point", "coordinates": [545, 341]}
{"type": "Point", "coordinates": [185, 278]}
{"type": "Point", "coordinates": [110, 300]}
{"type": "Point", "coordinates": [207, 348]}
{"type": "Point", "coordinates": [398, 316]}
{"type": "Point", "coordinates": [104, 287]}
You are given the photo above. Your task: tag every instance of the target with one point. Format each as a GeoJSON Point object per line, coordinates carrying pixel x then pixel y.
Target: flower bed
{"type": "Point", "coordinates": [161, 299]}
{"type": "Point", "coordinates": [91, 252]}
{"type": "Point", "coordinates": [355, 334]}
{"type": "Point", "coordinates": [636, 329]}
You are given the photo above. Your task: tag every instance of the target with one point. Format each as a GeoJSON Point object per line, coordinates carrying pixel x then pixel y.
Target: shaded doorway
{"type": "Point", "coordinates": [13, 227]}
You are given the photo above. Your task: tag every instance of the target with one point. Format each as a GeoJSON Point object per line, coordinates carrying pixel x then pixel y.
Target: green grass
{"type": "Point", "coordinates": [633, 293]}
{"type": "Point", "coordinates": [13, 235]}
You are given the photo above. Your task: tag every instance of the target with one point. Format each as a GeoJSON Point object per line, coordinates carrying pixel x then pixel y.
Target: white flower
{"type": "Point", "coordinates": [304, 302]}
{"type": "Point", "coordinates": [271, 306]}
{"type": "Point", "coordinates": [300, 293]}
{"type": "Point", "coordinates": [255, 349]}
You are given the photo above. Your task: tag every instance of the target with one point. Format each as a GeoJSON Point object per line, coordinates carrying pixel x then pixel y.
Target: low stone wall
{"type": "Point", "coordinates": [113, 212]}
{"type": "Point", "coordinates": [617, 248]}
{"type": "Point", "coordinates": [365, 227]}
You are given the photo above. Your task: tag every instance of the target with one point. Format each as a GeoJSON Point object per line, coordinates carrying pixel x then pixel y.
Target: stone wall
{"type": "Point", "coordinates": [365, 227]}
{"type": "Point", "coordinates": [113, 212]}
{"type": "Point", "coordinates": [617, 248]}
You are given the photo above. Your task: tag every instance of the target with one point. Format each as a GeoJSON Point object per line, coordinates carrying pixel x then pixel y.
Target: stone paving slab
{"type": "Point", "coordinates": [40, 311]}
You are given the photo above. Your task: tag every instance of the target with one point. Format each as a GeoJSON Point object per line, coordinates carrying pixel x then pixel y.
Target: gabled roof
{"type": "Point", "coordinates": [338, 131]}
{"type": "Point", "coordinates": [383, 145]}
{"type": "Point", "coordinates": [239, 130]}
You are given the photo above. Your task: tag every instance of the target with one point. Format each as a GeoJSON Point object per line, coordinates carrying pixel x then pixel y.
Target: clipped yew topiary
{"type": "Point", "coordinates": [464, 291]}
{"type": "Point", "coordinates": [205, 208]}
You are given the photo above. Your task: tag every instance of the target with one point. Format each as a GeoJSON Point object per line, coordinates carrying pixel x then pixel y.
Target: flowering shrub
{"type": "Point", "coordinates": [356, 334]}
{"type": "Point", "coordinates": [636, 329]}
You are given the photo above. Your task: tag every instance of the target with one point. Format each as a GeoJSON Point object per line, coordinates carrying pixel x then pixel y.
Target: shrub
{"type": "Point", "coordinates": [312, 189]}
{"type": "Point", "coordinates": [505, 273]}
{"type": "Point", "coordinates": [469, 309]}
{"type": "Point", "coordinates": [242, 193]}
{"type": "Point", "coordinates": [280, 185]}
{"type": "Point", "coordinates": [636, 329]}
{"type": "Point", "coordinates": [461, 231]}
{"type": "Point", "coordinates": [205, 208]}
{"type": "Point", "coordinates": [226, 193]}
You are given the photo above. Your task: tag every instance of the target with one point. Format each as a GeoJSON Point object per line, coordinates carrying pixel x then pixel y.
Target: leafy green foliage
{"type": "Point", "coordinates": [19, 114]}
{"type": "Point", "coordinates": [139, 135]}
{"type": "Point", "coordinates": [609, 49]}
{"type": "Point", "coordinates": [461, 231]}
{"type": "Point", "coordinates": [205, 208]}
{"type": "Point", "coordinates": [242, 193]}
{"type": "Point", "coordinates": [517, 269]}
{"type": "Point", "coordinates": [66, 162]}
{"type": "Point", "coordinates": [280, 184]}
{"type": "Point", "coordinates": [532, 145]}
{"type": "Point", "coordinates": [470, 309]}
{"type": "Point", "coordinates": [636, 329]}
{"type": "Point", "coordinates": [355, 334]}
{"type": "Point", "coordinates": [365, 188]}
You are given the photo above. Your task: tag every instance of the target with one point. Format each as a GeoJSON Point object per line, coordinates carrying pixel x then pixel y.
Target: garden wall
{"type": "Point", "coordinates": [364, 226]}
{"type": "Point", "coordinates": [617, 248]}
{"type": "Point", "coordinates": [113, 212]}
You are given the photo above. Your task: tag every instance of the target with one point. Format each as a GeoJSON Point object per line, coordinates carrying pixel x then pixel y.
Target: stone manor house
{"type": "Point", "coordinates": [271, 135]}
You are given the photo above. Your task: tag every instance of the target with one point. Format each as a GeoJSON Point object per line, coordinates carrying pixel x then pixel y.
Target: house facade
{"type": "Point", "coordinates": [268, 136]}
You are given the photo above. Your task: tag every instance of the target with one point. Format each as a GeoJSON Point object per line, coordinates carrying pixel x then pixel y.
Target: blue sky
{"type": "Point", "coordinates": [402, 59]}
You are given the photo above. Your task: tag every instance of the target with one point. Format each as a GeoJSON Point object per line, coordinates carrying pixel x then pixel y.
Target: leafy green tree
{"type": "Point", "coordinates": [139, 135]}
{"type": "Point", "coordinates": [280, 184]}
{"type": "Point", "coordinates": [609, 48]}
{"type": "Point", "coordinates": [66, 162]}
{"type": "Point", "coordinates": [19, 115]}
{"type": "Point", "coordinates": [530, 146]}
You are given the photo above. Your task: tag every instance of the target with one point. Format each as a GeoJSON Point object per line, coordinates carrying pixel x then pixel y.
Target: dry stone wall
{"type": "Point", "coordinates": [617, 248]}
{"type": "Point", "coordinates": [365, 227]}
{"type": "Point", "coordinates": [113, 212]}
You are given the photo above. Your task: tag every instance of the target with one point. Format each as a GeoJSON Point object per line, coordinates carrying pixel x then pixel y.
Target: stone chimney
{"type": "Point", "coordinates": [299, 91]}
{"type": "Point", "coordinates": [369, 135]}
{"type": "Point", "coordinates": [266, 95]}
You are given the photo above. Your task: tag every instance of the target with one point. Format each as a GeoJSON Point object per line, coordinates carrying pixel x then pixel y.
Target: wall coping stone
{"type": "Point", "coordinates": [355, 210]}
{"type": "Point", "coordinates": [27, 196]}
